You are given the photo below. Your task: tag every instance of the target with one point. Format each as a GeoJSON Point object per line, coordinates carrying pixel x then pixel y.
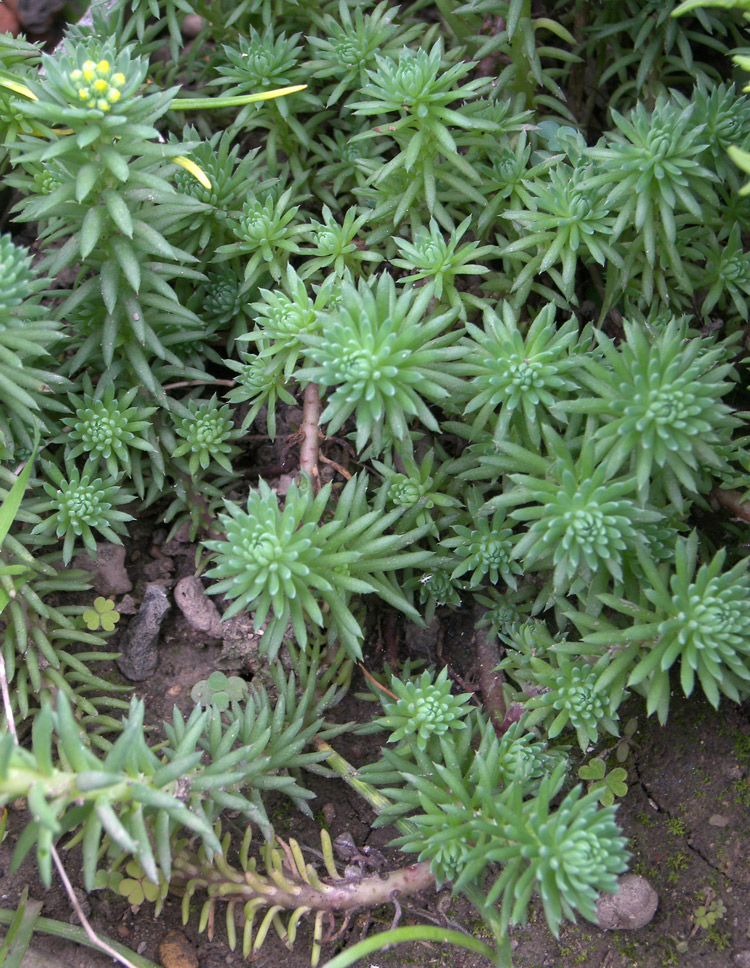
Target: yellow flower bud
{"type": "Point", "coordinates": [118, 79]}
{"type": "Point", "coordinates": [83, 93]}
{"type": "Point", "coordinates": [100, 85]}
{"type": "Point", "coordinates": [75, 75]}
{"type": "Point", "coordinates": [113, 95]}
{"type": "Point", "coordinates": [103, 67]}
{"type": "Point", "coordinates": [102, 104]}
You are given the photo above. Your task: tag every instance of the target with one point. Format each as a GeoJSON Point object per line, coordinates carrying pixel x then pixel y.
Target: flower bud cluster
{"type": "Point", "coordinates": [96, 85]}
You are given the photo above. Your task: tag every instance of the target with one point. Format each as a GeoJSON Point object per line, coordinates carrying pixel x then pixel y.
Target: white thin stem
{"type": "Point", "coordinates": [7, 708]}
{"type": "Point", "coordinates": [92, 935]}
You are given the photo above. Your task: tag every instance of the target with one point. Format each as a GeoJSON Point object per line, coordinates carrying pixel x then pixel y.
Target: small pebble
{"type": "Point", "coordinates": [631, 908]}
{"type": "Point", "coordinates": [139, 652]}
{"type": "Point", "coordinates": [175, 951]}
{"type": "Point", "coordinates": [127, 605]}
{"type": "Point", "coordinates": [716, 820]}
{"type": "Point", "coordinates": [110, 577]}
{"type": "Point", "coordinates": [742, 959]}
{"type": "Point", "coordinates": [199, 610]}
{"type": "Point", "coordinates": [192, 25]}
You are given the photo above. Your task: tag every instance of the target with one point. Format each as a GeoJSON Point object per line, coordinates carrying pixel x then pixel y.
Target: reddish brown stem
{"type": "Point", "coordinates": [309, 449]}
{"type": "Point", "coordinates": [291, 893]}
{"type": "Point", "coordinates": [733, 501]}
{"type": "Point", "coordinates": [490, 681]}
{"type": "Point", "coordinates": [378, 685]}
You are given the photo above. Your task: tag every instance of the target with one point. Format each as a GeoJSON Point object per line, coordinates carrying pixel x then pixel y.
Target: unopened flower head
{"type": "Point", "coordinates": [97, 85]}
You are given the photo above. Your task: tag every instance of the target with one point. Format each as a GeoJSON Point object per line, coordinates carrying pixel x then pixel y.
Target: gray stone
{"type": "Point", "coordinates": [742, 958]}
{"type": "Point", "coordinates": [240, 649]}
{"type": "Point", "coordinates": [191, 25]}
{"type": "Point", "coordinates": [38, 958]}
{"type": "Point", "coordinates": [631, 908]}
{"type": "Point", "coordinates": [109, 574]}
{"type": "Point", "coordinates": [140, 653]}
{"type": "Point", "coordinates": [127, 605]}
{"type": "Point", "coordinates": [717, 820]}
{"type": "Point", "coordinates": [199, 610]}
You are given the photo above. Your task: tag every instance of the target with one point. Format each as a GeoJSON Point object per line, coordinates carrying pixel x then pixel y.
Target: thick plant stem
{"type": "Point", "coordinates": [733, 501]}
{"type": "Point", "coordinates": [308, 453]}
{"type": "Point", "coordinates": [289, 895]}
{"type": "Point", "coordinates": [378, 802]}
{"type": "Point", "coordinates": [490, 681]}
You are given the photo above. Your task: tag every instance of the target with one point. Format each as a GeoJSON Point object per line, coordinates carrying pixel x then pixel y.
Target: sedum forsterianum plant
{"type": "Point", "coordinates": [582, 522]}
{"type": "Point", "coordinates": [26, 337]}
{"type": "Point", "coordinates": [652, 168]}
{"type": "Point", "coordinates": [661, 402]}
{"type": "Point", "coordinates": [424, 709]}
{"type": "Point", "coordinates": [383, 361]}
{"type": "Point", "coordinates": [413, 86]}
{"type": "Point", "coordinates": [135, 798]}
{"type": "Point", "coordinates": [112, 206]}
{"type": "Point", "coordinates": [206, 430]}
{"type": "Point", "coordinates": [81, 504]}
{"type": "Point", "coordinates": [485, 271]}
{"type": "Point", "coordinates": [286, 563]}
{"type": "Point", "coordinates": [475, 798]}
{"type": "Point", "coordinates": [440, 259]}
{"type": "Point", "coordinates": [691, 614]}
{"type": "Point", "coordinates": [106, 429]}
{"type": "Point", "coordinates": [518, 379]}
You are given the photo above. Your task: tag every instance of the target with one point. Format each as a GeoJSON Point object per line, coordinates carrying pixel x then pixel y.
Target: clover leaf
{"type": "Point", "coordinates": [219, 691]}
{"type": "Point", "coordinates": [608, 785]}
{"type": "Point", "coordinates": [102, 615]}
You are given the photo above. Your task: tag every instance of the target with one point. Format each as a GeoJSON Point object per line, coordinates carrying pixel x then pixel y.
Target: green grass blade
{"type": "Point", "coordinates": [20, 932]}
{"type": "Point", "coordinates": [401, 935]}
{"type": "Point", "coordinates": [12, 502]}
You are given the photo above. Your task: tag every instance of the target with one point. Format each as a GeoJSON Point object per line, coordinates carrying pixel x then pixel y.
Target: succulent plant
{"type": "Point", "coordinates": [518, 380]}
{"type": "Point", "coordinates": [15, 274]}
{"type": "Point", "coordinates": [382, 360]}
{"type": "Point", "coordinates": [506, 255]}
{"type": "Point", "coordinates": [79, 505]}
{"type": "Point", "coordinates": [570, 854]}
{"type": "Point", "coordinates": [571, 698]}
{"type": "Point", "coordinates": [107, 428]}
{"type": "Point", "coordinates": [661, 404]}
{"type": "Point", "coordinates": [284, 564]}
{"type": "Point", "coordinates": [206, 430]}
{"type": "Point", "coordinates": [424, 708]}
